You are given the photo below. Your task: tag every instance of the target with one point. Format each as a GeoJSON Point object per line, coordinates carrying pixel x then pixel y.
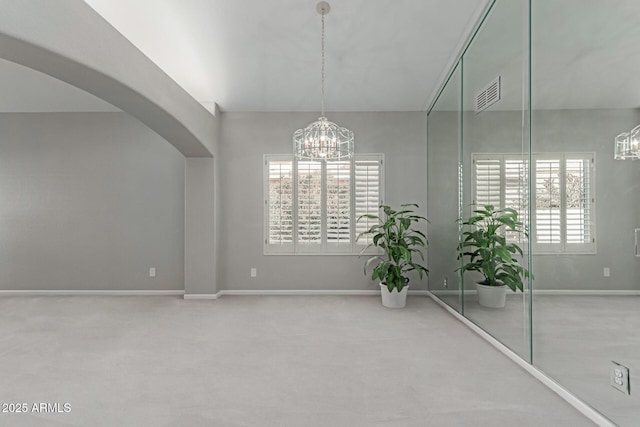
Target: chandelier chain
{"type": "Point", "coordinates": [322, 66]}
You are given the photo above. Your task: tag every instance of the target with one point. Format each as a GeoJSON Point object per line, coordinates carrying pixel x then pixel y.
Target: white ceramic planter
{"type": "Point", "coordinates": [394, 299]}
{"type": "Point", "coordinates": [491, 296]}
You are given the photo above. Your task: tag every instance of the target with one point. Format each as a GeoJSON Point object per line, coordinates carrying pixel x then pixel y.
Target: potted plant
{"type": "Point", "coordinates": [396, 235]}
{"type": "Point", "coordinates": [489, 252]}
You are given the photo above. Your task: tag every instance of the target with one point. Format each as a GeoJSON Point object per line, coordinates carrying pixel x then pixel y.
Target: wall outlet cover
{"type": "Point", "coordinates": [620, 378]}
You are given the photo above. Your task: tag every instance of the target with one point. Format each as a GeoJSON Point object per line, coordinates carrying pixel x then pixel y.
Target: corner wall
{"type": "Point", "coordinates": [246, 137]}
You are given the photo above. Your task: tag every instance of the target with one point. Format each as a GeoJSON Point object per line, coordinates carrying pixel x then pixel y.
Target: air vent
{"type": "Point", "coordinates": [488, 96]}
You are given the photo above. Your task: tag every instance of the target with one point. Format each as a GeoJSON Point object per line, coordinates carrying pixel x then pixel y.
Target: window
{"type": "Point", "coordinates": [564, 203]}
{"type": "Point", "coordinates": [312, 206]}
{"type": "Point", "coordinates": [501, 181]}
{"type": "Point", "coordinates": [563, 212]}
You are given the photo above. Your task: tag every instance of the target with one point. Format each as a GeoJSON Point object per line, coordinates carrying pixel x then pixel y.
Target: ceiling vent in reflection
{"type": "Point", "coordinates": [488, 96]}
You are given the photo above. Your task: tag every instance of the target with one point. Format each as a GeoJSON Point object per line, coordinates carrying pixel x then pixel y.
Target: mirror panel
{"type": "Point", "coordinates": [495, 155]}
{"type": "Point", "coordinates": [443, 165]}
{"type": "Point", "coordinates": [585, 92]}
{"type": "Point", "coordinates": [569, 68]}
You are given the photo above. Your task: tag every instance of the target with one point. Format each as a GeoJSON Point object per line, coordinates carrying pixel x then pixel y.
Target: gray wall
{"type": "Point", "coordinates": [246, 137]}
{"type": "Point", "coordinates": [89, 201]}
{"type": "Point", "coordinates": [617, 188]}
{"type": "Point", "coordinates": [444, 135]}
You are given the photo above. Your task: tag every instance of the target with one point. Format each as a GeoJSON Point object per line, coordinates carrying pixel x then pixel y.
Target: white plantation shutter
{"type": "Point", "coordinates": [516, 177]}
{"type": "Point", "coordinates": [488, 181]}
{"type": "Point", "coordinates": [368, 194]}
{"type": "Point", "coordinates": [309, 195]}
{"type": "Point", "coordinates": [565, 202]}
{"type": "Point", "coordinates": [501, 180]}
{"type": "Point", "coordinates": [338, 204]}
{"type": "Point", "coordinates": [579, 200]}
{"type": "Point", "coordinates": [279, 204]}
{"type": "Point", "coordinates": [548, 203]}
{"type": "Point", "coordinates": [311, 207]}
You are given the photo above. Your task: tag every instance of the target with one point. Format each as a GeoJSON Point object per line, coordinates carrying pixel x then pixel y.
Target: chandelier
{"type": "Point", "coordinates": [628, 145]}
{"type": "Point", "coordinates": [322, 139]}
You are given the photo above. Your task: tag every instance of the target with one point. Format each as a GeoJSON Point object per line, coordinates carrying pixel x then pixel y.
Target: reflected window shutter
{"type": "Point", "coordinates": [488, 182]}
{"type": "Point", "coordinates": [515, 191]}
{"type": "Point", "coordinates": [338, 202]}
{"type": "Point", "coordinates": [368, 174]}
{"type": "Point", "coordinates": [578, 213]}
{"type": "Point", "coordinates": [279, 202]}
{"type": "Point", "coordinates": [309, 183]}
{"type": "Point", "coordinates": [548, 201]}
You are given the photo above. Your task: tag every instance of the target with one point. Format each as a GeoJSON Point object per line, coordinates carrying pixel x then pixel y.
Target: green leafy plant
{"type": "Point", "coordinates": [396, 236]}
{"type": "Point", "coordinates": [488, 250]}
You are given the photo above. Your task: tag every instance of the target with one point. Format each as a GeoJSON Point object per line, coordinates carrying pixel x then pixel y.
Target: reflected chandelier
{"type": "Point", "coordinates": [628, 145]}
{"type": "Point", "coordinates": [322, 139]}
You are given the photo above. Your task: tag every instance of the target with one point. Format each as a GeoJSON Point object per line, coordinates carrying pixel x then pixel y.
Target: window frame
{"type": "Point", "coordinates": [563, 247]}
{"type": "Point", "coordinates": [325, 247]}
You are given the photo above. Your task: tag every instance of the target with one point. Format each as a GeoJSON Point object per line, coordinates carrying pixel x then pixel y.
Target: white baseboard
{"type": "Point", "coordinates": [191, 296]}
{"type": "Point", "coordinates": [447, 292]}
{"type": "Point", "coordinates": [277, 292]}
{"type": "Point", "coordinates": [201, 296]}
{"type": "Point", "coordinates": [298, 292]}
{"type": "Point", "coordinates": [109, 293]}
{"type": "Point", "coordinates": [559, 292]}
{"type": "Point", "coordinates": [106, 292]}
{"type": "Point", "coordinates": [595, 292]}
{"type": "Point", "coordinates": [573, 400]}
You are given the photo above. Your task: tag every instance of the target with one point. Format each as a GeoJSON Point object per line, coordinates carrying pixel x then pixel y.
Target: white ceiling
{"type": "Point", "coordinates": [382, 55]}
{"type": "Point", "coordinates": [257, 55]}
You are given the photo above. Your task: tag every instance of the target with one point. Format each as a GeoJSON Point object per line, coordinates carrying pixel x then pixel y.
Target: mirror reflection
{"type": "Point", "coordinates": [495, 153]}
{"type": "Point", "coordinates": [585, 92]}
{"type": "Point", "coordinates": [443, 161]}
{"type": "Point", "coordinates": [548, 129]}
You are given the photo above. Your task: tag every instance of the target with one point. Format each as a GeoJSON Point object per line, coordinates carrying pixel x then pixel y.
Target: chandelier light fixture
{"type": "Point", "coordinates": [628, 145]}
{"type": "Point", "coordinates": [322, 139]}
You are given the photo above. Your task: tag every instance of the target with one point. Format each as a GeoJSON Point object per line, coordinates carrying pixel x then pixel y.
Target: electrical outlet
{"type": "Point", "coordinates": [606, 272]}
{"type": "Point", "coordinates": [445, 284]}
{"type": "Point", "coordinates": [620, 378]}
{"type": "Point", "coordinates": [152, 272]}
{"type": "Point", "coordinates": [254, 272]}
